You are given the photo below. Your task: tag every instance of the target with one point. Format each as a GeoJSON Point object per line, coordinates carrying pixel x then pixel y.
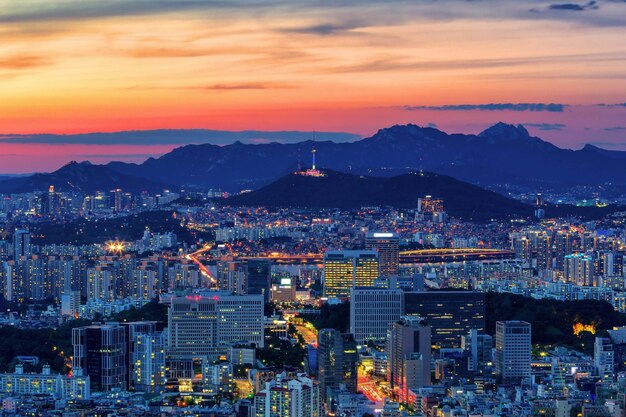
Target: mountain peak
{"type": "Point", "coordinates": [505, 131]}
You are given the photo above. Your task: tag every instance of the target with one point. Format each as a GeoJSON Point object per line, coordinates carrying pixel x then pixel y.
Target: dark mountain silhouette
{"type": "Point", "coordinates": [83, 177]}
{"type": "Point", "coordinates": [502, 154]}
{"type": "Point", "coordinates": [340, 190]}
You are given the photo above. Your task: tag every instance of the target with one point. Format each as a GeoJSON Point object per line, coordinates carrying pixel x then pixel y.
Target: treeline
{"type": "Point", "coordinates": [332, 316]}
{"type": "Point", "coordinates": [54, 346]}
{"type": "Point", "coordinates": [552, 321]}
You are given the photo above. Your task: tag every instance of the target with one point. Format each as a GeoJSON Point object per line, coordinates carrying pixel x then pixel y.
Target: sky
{"type": "Point", "coordinates": [354, 66]}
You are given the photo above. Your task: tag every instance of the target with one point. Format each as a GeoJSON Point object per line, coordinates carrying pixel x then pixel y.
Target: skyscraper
{"type": "Point", "coordinates": [451, 314]}
{"type": "Point", "coordinates": [344, 270]}
{"type": "Point", "coordinates": [544, 252]}
{"type": "Point", "coordinates": [101, 352]}
{"type": "Point", "coordinates": [337, 361]}
{"type": "Point", "coordinates": [408, 355]}
{"type": "Point", "coordinates": [563, 247]}
{"type": "Point", "coordinates": [373, 311]}
{"type": "Point", "coordinates": [259, 277]}
{"type": "Point", "coordinates": [283, 396]}
{"type": "Point", "coordinates": [513, 350]}
{"type": "Point", "coordinates": [387, 247]}
{"type": "Point", "coordinates": [21, 244]}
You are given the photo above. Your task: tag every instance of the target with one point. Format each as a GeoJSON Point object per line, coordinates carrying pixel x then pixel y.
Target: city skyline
{"type": "Point", "coordinates": [345, 67]}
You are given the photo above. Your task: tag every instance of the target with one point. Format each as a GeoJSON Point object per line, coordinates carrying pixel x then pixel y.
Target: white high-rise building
{"type": "Point", "coordinates": [70, 303]}
{"type": "Point", "coordinates": [297, 397]}
{"type": "Point", "coordinates": [513, 350]}
{"type": "Point", "coordinates": [373, 311]}
{"type": "Point", "coordinates": [604, 357]}
{"type": "Point", "coordinates": [205, 325]}
{"type": "Point", "coordinates": [148, 371]}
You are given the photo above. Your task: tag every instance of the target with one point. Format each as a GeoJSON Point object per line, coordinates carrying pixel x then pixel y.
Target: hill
{"type": "Point", "coordinates": [83, 177]}
{"type": "Point", "coordinates": [339, 190]}
{"type": "Point", "coordinates": [502, 154]}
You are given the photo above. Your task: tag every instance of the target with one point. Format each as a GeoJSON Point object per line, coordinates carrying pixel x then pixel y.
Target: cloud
{"type": "Point", "coordinates": [178, 137]}
{"type": "Point", "coordinates": [533, 107]}
{"type": "Point", "coordinates": [242, 86]}
{"type": "Point", "coordinates": [20, 62]}
{"type": "Point", "coordinates": [432, 125]}
{"type": "Point", "coordinates": [546, 126]}
{"type": "Point", "coordinates": [324, 29]}
{"type": "Point", "coordinates": [615, 128]}
{"type": "Point", "coordinates": [592, 5]}
{"type": "Point", "coordinates": [619, 145]}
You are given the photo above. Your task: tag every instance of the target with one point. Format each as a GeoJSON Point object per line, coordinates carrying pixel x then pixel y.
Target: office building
{"type": "Point", "coordinates": [259, 277]}
{"type": "Point", "coordinates": [544, 252]}
{"type": "Point", "coordinates": [373, 311]}
{"type": "Point", "coordinates": [408, 356]}
{"type": "Point", "coordinates": [480, 347]}
{"type": "Point", "coordinates": [451, 314]}
{"type": "Point", "coordinates": [207, 325]}
{"type": "Point", "coordinates": [387, 246]}
{"type": "Point", "coordinates": [101, 352]}
{"type": "Point", "coordinates": [344, 270]}
{"type": "Point", "coordinates": [513, 350]}
{"type": "Point", "coordinates": [337, 362]}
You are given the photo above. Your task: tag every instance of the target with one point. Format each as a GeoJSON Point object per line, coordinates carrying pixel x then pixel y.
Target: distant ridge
{"type": "Point", "coordinates": [79, 176]}
{"type": "Point", "coordinates": [500, 155]}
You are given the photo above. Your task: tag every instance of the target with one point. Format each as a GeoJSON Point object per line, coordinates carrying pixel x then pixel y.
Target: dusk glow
{"type": "Point", "coordinates": [349, 66]}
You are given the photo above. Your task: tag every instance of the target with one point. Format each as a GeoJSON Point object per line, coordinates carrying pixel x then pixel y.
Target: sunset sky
{"type": "Point", "coordinates": [78, 66]}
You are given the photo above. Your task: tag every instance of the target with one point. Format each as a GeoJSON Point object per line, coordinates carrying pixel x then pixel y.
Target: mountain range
{"type": "Point", "coordinates": [502, 154]}
{"type": "Point", "coordinates": [81, 177]}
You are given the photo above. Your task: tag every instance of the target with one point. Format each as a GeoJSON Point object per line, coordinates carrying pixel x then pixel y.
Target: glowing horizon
{"type": "Point", "coordinates": [347, 66]}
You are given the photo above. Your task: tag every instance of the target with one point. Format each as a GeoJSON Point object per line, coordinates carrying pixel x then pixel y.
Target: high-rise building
{"type": "Point", "coordinates": [148, 359]}
{"type": "Point", "coordinates": [579, 269]}
{"type": "Point", "coordinates": [563, 247]}
{"type": "Point", "coordinates": [207, 325]}
{"type": "Point", "coordinates": [479, 347]}
{"type": "Point", "coordinates": [21, 244]}
{"type": "Point", "coordinates": [604, 357]}
{"type": "Point", "coordinates": [289, 397]}
{"type": "Point", "coordinates": [101, 352]}
{"type": "Point", "coordinates": [387, 245]}
{"type": "Point", "coordinates": [513, 350]}
{"type": "Point", "coordinates": [337, 361]}
{"type": "Point", "coordinates": [544, 252]}
{"type": "Point", "coordinates": [344, 270]}
{"type": "Point", "coordinates": [259, 277]}
{"type": "Point", "coordinates": [408, 356]}
{"type": "Point", "coordinates": [373, 311]}
{"type": "Point", "coordinates": [521, 247]}
{"type": "Point", "coordinates": [451, 314]}
{"type": "Point", "coordinates": [70, 303]}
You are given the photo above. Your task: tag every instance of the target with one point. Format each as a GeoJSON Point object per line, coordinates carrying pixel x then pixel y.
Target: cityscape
{"type": "Point", "coordinates": [289, 209]}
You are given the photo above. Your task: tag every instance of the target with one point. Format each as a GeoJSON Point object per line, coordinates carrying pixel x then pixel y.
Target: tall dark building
{"type": "Point", "coordinates": [387, 246]}
{"type": "Point", "coordinates": [101, 351]}
{"type": "Point", "coordinates": [21, 244]}
{"type": "Point", "coordinates": [337, 361]}
{"type": "Point", "coordinates": [259, 277]}
{"type": "Point", "coordinates": [563, 247]}
{"type": "Point", "coordinates": [451, 314]}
